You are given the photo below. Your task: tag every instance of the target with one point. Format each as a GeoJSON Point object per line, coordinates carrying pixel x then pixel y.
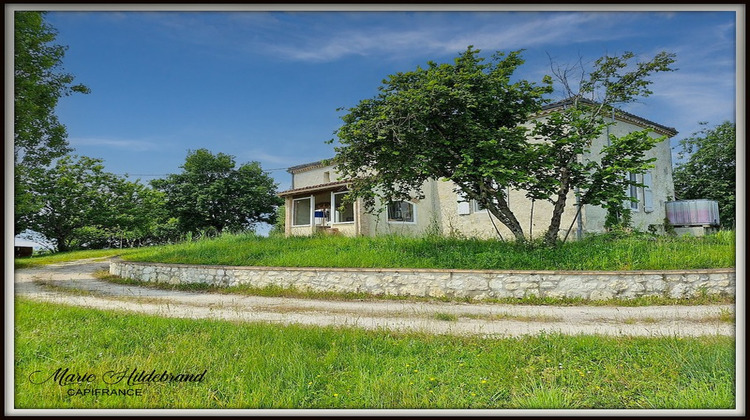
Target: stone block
{"type": "Point", "coordinates": [656, 285]}
{"type": "Point", "coordinates": [678, 290]}
{"type": "Point", "coordinates": [572, 284]}
{"type": "Point", "coordinates": [600, 295]}
{"type": "Point", "coordinates": [497, 282]}
{"type": "Point", "coordinates": [435, 292]}
{"type": "Point", "coordinates": [472, 282]}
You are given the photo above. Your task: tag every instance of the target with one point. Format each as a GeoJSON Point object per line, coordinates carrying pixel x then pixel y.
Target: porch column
{"type": "Point", "coordinates": [288, 213]}
{"type": "Point", "coordinates": [357, 218]}
{"type": "Point", "coordinates": [312, 214]}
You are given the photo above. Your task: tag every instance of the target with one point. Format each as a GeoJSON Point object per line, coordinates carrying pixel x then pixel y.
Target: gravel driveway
{"type": "Point", "coordinates": [74, 284]}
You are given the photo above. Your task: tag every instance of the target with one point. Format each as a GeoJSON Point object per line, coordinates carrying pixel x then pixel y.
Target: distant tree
{"type": "Point", "coordinates": [211, 194]}
{"type": "Point", "coordinates": [82, 206]}
{"type": "Point", "coordinates": [141, 217]}
{"type": "Point", "coordinates": [709, 170]}
{"type": "Point", "coordinates": [39, 83]}
{"type": "Point", "coordinates": [467, 122]}
{"type": "Point", "coordinates": [278, 228]}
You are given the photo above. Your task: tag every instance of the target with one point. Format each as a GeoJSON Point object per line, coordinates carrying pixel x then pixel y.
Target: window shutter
{"type": "Point", "coordinates": [631, 191]}
{"type": "Point", "coordinates": [464, 206]}
{"type": "Point", "coordinates": [626, 203]}
{"type": "Point", "coordinates": [648, 194]}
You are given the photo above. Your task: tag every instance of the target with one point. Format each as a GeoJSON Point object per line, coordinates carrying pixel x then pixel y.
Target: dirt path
{"type": "Point", "coordinates": [74, 284]}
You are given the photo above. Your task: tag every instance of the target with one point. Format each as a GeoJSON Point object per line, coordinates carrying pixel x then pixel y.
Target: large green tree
{"type": "Point", "coordinates": [39, 83]}
{"type": "Point", "coordinates": [83, 206]}
{"type": "Point", "coordinates": [709, 168]}
{"type": "Point", "coordinates": [468, 122]}
{"type": "Point", "coordinates": [460, 121]}
{"type": "Point", "coordinates": [211, 194]}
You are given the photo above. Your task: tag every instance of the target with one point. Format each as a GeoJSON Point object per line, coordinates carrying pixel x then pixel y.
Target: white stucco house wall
{"type": "Point", "coordinates": [317, 190]}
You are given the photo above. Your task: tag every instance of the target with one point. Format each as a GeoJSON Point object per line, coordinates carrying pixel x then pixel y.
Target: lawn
{"type": "Point", "coordinates": [61, 257]}
{"type": "Point", "coordinates": [601, 252]}
{"type": "Point", "coordinates": [254, 365]}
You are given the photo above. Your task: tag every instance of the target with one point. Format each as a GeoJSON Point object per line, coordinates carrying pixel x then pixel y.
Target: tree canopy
{"type": "Point", "coordinates": [212, 194]}
{"type": "Point", "coordinates": [39, 83]}
{"type": "Point", "coordinates": [83, 206]}
{"type": "Point", "coordinates": [709, 169]}
{"type": "Point", "coordinates": [473, 123]}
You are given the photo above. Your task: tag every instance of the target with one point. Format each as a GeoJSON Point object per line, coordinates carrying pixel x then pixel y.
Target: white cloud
{"type": "Point", "coordinates": [509, 31]}
{"type": "Point", "coordinates": [313, 37]}
{"type": "Point", "coordinates": [262, 156]}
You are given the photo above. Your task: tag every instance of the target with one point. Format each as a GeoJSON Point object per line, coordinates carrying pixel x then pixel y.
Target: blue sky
{"type": "Point", "coordinates": [266, 86]}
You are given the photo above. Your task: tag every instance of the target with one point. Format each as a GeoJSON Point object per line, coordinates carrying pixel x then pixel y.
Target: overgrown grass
{"type": "Point", "coordinates": [293, 292]}
{"type": "Point", "coordinates": [444, 316]}
{"type": "Point", "coordinates": [61, 257]}
{"type": "Point", "coordinates": [601, 252]}
{"type": "Point", "coordinates": [253, 365]}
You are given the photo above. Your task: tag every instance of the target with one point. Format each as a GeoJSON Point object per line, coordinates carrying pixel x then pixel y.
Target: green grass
{"type": "Point", "coordinates": [601, 252]}
{"type": "Point", "coordinates": [443, 316]}
{"type": "Point", "coordinates": [254, 365]}
{"type": "Point", "coordinates": [62, 257]}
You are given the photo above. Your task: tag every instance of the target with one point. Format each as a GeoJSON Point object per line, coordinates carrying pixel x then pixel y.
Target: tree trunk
{"type": "Point", "coordinates": [550, 238]}
{"type": "Point", "coordinates": [501, 211]}
{"type": "Point", "coordinates": [506, 217]}
{"type": "Point", "coordinates": [62, 246]}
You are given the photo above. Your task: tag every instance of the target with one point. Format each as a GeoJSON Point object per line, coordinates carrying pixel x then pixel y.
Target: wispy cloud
{"type": "Point", "coordinates": [311, 37]}
{"type": "Point", "coordinates": [507, 32]}
{"type": "Point", "coordinates": [262, 156]}
{"type": "Point", "coordinates": [131, 145]}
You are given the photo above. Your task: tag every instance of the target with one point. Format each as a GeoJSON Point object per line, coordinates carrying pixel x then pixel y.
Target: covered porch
{"type": "Point", "coordinates": [321, 208]}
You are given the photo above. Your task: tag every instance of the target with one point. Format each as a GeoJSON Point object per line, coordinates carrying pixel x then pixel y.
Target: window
{"type": "Point", "coordinates": [632, 191]}
{"type": "Point", "coordinates": [648, 194]}
{"type": "Point", "coordinates": [326, 177]}
{"type": "Point", "coordinates": [342, 216]}
{"type": "Point", "coordinates": [401, 211]}
{"type": "Point", "coordinates": [302, 208]}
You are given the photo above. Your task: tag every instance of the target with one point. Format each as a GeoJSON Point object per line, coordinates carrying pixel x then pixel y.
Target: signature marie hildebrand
{"type": "Point", "coordinates": [135, 376]}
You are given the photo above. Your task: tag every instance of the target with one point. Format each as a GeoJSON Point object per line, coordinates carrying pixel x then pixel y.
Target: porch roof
{"type": "Point", "coordinates": [313, 188]}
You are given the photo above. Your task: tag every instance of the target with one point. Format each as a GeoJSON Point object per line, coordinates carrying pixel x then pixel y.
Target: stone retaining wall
{"type": "Point", "coordinates": [477, 284]}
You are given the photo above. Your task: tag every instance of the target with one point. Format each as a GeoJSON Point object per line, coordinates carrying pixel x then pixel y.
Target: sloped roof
{"type": "Point", "coordinates": [311, 165]}
{"type": "Point", "coordinates": [619, 114]}
{"type": "Point", "coordinates": [313, 188]}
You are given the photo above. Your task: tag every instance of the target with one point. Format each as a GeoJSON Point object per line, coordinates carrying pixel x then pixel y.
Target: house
{"type": "Point", "coordinates": [314, 201]}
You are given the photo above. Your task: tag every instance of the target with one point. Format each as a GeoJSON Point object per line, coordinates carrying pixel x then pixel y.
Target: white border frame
{"type": "Point", "coordinates": [740, 119]}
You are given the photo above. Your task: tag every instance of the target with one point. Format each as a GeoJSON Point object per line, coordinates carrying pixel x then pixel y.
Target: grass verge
{"type": "Point", "coordinates": [62, 257]}
{"type": "Point", "coordinates": [599, 252]}
{"type": "Point", "coordinates": [268, 366]}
